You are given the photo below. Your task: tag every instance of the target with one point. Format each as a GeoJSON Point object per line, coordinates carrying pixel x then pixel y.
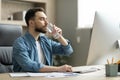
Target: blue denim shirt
{"type": "Point", "coordinates": [25, 55]}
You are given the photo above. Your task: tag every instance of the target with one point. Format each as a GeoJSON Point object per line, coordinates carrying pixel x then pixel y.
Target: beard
{"type": "Point", "coordinates": [41, 30]}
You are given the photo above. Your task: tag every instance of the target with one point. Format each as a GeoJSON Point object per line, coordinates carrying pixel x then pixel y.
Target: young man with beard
{"type": "Point", "coordinates": [33, 52]}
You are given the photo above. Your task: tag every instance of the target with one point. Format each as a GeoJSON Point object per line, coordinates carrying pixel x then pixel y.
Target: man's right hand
{"type": "Point", "coordinates": [65, 68]}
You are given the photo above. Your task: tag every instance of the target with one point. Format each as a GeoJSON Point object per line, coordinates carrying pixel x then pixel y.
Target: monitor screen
{"type": "Point", "coordinates": [106, 32]}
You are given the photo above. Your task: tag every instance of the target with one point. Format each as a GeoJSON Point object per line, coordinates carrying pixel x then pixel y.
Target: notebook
{"type": "Point", "coordinates": [85, 69]}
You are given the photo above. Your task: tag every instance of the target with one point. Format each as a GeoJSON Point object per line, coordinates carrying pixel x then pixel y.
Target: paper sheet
{"type": "Point", "coordinates": [18, 74]}
{"type": "Point", "coordinates": [49, 75]}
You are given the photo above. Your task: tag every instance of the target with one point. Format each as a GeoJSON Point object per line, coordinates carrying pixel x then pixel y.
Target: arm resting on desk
{"type": "Point", "coordinates": [64, 68]}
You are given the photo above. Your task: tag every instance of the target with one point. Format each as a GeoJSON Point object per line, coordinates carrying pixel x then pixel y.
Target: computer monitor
{"type": "Point", "coordinates": [106, 32]}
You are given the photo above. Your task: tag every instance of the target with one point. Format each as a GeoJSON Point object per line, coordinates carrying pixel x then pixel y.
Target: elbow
{"type": "Point", "coordinates": [69, 52]}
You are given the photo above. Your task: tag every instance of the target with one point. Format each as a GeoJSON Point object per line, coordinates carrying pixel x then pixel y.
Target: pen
{"type": "Point", "coordinates": [112, 59]}
{"type": "Point", "coordinates": [112, 62]}
{"type": "Point", "coordinates": [108, 61]}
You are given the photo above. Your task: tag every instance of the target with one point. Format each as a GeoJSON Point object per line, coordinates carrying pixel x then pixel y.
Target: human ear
{"type": "Point", "coordinates": [31, 22]}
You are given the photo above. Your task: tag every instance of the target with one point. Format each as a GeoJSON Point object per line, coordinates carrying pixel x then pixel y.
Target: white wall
{"type": "Point", "coordinates": [86, 13]}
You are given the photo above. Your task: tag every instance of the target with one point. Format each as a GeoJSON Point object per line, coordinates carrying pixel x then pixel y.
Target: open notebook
{"type": "Point", "coordinates": [87, 69]}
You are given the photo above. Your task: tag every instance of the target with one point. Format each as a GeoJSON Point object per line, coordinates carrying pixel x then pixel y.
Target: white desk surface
{"type": "Point", "coordinates": [97, 75]}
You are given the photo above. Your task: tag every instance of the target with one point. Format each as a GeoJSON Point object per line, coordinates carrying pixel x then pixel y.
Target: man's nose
{"type": "Point", "coordinates": [46, 21]}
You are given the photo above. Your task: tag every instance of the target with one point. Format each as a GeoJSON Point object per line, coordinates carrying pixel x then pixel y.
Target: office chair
{"type": "Point", "coordinates": [8, 33]}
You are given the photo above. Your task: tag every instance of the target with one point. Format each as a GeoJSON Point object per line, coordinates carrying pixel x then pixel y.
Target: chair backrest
{"type": "Point", "coordinates": [8, 33]}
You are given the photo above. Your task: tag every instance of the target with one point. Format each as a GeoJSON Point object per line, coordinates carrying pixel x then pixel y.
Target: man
{"type": "Point", "coordinates": [33, 52]}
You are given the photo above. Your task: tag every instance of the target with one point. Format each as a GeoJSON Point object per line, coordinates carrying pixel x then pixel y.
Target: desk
{"type": "Point", "coordinates": [97, 75]}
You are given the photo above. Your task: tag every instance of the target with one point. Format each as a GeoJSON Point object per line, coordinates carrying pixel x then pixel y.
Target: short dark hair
{"type": "Point", "coordinates": [31, 13]}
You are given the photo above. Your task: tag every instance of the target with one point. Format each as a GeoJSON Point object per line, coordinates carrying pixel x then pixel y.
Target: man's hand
{"type": "Point", "coordinates": [65, 68]}
{"type": "Point", "coordinates": [56, 32]}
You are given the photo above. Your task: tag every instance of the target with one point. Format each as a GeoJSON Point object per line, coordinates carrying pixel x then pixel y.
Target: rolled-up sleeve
{"type": "Point", "coordinates": [61, 49]}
